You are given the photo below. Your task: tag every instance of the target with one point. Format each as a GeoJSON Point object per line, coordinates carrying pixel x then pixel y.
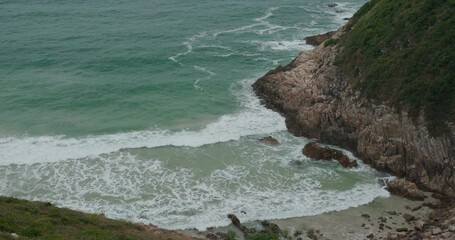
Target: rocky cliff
{"type": "Point", "coordinates": [318, 101]}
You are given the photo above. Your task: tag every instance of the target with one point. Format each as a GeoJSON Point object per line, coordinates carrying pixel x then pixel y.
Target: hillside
{"type": "Point", "coordinates": [37, 220]}
{"type": "Point", "coordinates": [403, 52]}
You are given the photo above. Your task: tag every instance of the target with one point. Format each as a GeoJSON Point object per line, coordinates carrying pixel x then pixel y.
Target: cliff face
{"type": "Point", "coordinates": [318, 101]}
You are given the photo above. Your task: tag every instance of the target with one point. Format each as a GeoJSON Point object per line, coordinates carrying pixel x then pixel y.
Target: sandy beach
{"type": "Point", "coordinates": [371, 221]}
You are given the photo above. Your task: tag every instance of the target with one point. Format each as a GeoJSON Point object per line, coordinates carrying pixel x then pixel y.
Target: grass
{"type": "Point", "coordinates": [37, 220]}
{"type": "Point", "coordinates": [264, 236]}
{"type": "Point", "coordinates": [403, 53]}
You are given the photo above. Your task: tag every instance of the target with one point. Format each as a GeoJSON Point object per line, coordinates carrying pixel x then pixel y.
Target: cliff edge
{"type": "Point", "coordinates": [322, 98]}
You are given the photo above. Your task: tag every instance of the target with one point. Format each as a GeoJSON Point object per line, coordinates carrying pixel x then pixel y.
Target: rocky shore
{"type": "Point", "coordinates": [319, 102]}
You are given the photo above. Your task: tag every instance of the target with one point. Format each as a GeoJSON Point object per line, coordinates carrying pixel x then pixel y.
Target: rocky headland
{"type": "Point", "coordinates": [319, 102]}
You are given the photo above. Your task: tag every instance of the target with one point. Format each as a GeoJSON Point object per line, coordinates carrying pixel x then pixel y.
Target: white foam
{"type": "Point", "coordinates": [209, 73]}
{"type": "Point", "coordinates": [253, 119]}
{"type": "Point", "coordinates": [260, 26]}
{"type": "Point", "coordinates": [189, 47]}
{"type": "Point", "coordinates": [124, 186]}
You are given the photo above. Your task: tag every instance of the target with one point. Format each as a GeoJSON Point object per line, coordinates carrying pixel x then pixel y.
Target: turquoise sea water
{"type": "Point", "coordinates": [143, 110]}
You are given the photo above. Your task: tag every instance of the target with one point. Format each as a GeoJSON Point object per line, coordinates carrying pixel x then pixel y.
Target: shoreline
{"type": "Point", "coordinates": [376, 220]}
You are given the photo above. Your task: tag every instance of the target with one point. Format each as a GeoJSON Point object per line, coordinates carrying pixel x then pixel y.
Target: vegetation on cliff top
{"type": "Point", "coordinates": [37, 220]}
{"type": "Point", "coordinates": [403, 52]}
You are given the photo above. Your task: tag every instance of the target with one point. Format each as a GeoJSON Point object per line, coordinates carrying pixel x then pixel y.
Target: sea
{"type": "Point", "coordinates": [143, 110]}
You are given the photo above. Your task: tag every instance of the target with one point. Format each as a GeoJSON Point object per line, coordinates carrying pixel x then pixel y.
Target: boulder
{"type": "Point", "coordinates": [332, 5]}
{"type": "Point", "coordinates": [269, 140]}
{"type": "Point", "coordinates": [405, 189]}
{"type": "Point", "coordinates": [314, 151]}
{"type": "Point", "coordinates": [345, 162]}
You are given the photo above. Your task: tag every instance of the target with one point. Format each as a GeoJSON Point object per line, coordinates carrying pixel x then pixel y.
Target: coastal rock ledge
{"type": "Point", "coordinates": [318, 102]}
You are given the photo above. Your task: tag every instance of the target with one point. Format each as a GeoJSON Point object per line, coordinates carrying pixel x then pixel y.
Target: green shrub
{"type": "Point", "coordinates": [330, 42]}
{"type": "Point", "coordinates": [403, 53]}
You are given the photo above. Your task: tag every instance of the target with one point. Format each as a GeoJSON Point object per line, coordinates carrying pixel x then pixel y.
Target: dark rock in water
{"type": "Point", "coordinates": [346, 19]}
{"type": "Point", "coordinates": [317, 152]}
{"type": "Point", "coordinates": [345, 162]}
{"type": "Point", "coordinates": [365, 215]}
{"type": "Point", "coordinates": [339, 11]}
{"type": "Point", "coordinates": [269, 140]}
{"type": "Point", "coordinates": [332, 5]}
{"type": "Point", "coordinates": [405, 189]}
{"type": "Point", "coordinates": [370, 235]}
{"type": "Point", "coordinates": [316, 40]}
{"type": "Point", "coordinates": [403, 229]}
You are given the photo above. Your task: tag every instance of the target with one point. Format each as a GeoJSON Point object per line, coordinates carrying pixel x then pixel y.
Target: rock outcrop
{"type": "Point", "coordinates": [318, 39]}
{"type": "Point", "coordinates": [319, 102]}
{"type": "Point", "coordinates": [317, 152]}
{"type": "Point", "coordinates": [405, 189]}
